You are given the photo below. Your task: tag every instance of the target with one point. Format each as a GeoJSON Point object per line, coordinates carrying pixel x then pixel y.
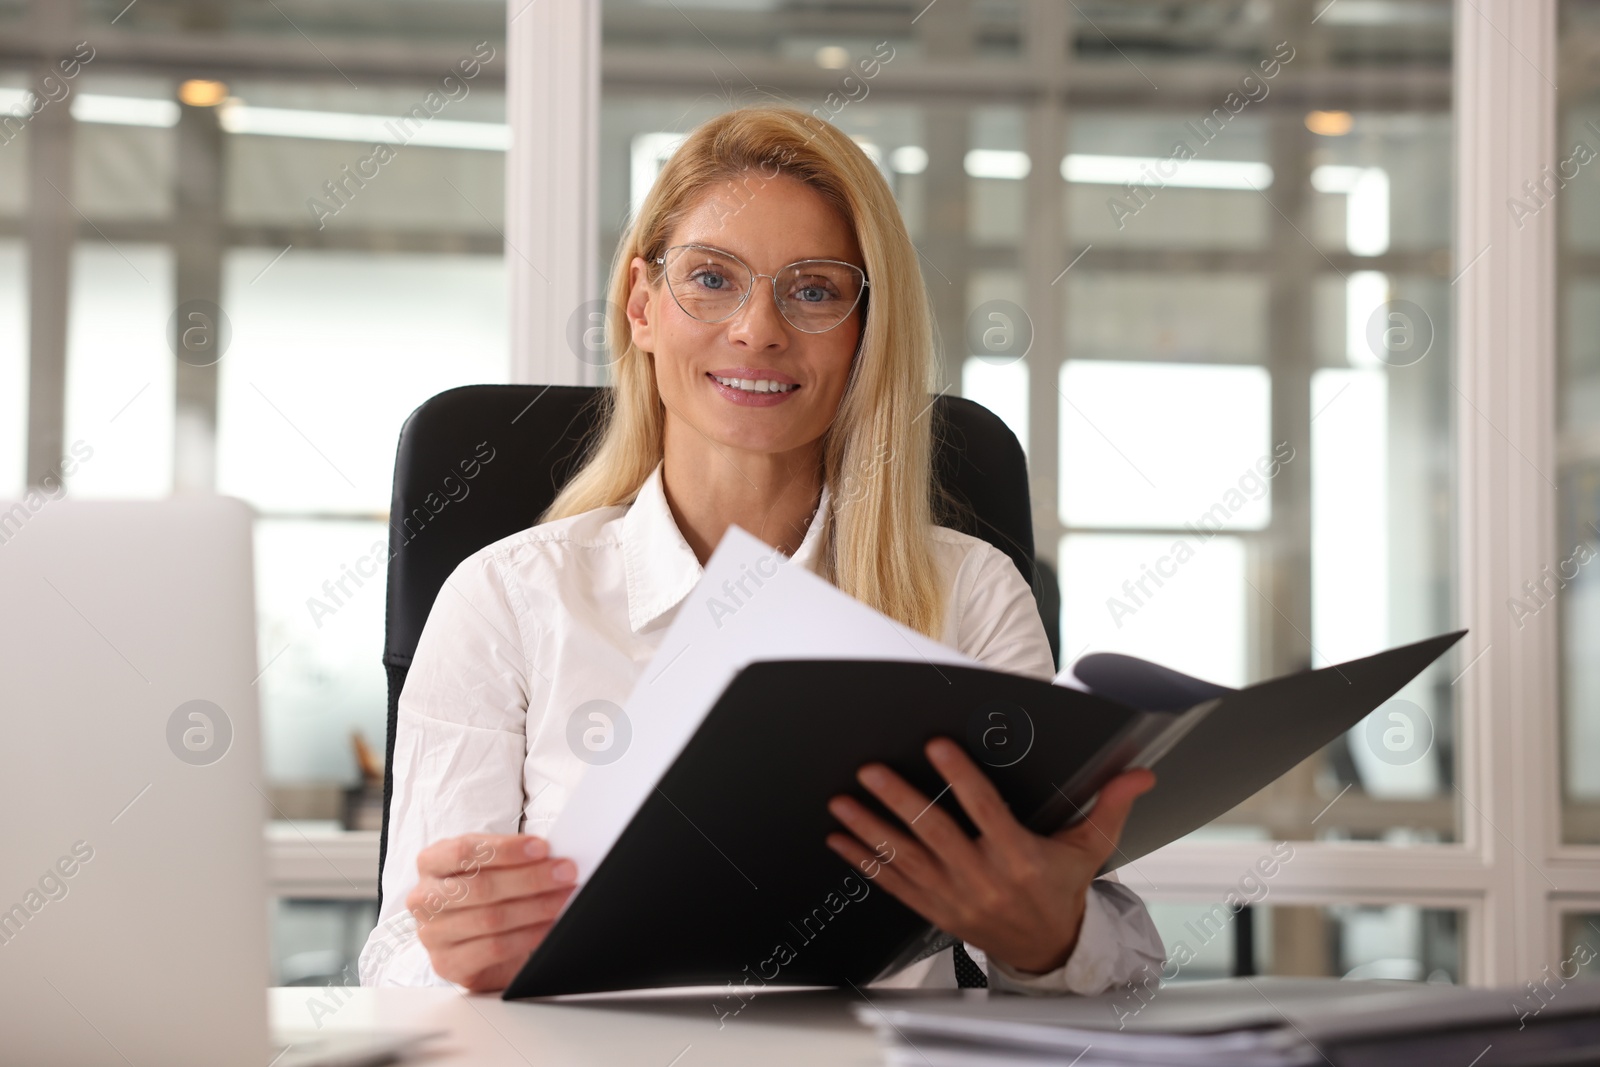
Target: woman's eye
{"type": "Point", "coordinates": [814, 293]}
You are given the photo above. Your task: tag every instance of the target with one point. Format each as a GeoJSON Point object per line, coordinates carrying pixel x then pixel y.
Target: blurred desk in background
{"type": "Point", "coordinates": [317, 859]}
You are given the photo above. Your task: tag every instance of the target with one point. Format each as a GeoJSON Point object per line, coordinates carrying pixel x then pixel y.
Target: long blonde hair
{"type": "Point", "coordinates": [877, 453]}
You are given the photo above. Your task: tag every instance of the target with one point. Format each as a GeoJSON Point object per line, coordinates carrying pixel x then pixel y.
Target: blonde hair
{"type": "Point", "coordinates": [877, 453]}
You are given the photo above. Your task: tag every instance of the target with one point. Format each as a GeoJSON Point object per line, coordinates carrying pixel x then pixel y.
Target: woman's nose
{"type": "Point", "coordinates": [759, 323]}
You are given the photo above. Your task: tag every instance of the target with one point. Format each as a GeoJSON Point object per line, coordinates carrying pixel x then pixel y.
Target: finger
{"type": "Point", "coordinates": [432, 896]}
{"type": "Point", "coordinates": [895, 881]}
{"type": "Point", "coordinates": [904, 849]}
{"type": "Point", "coordinates": [979, 798]}
{"type": "Point", "coordinates": [924, 818]}
{"type": "Point", "coordinates": [471, 852]}
{"type": "Point", "coordinates": [466, 923]}
{"type": "Point", "coordinates": [473, 957]}
{"type": "Point", "coordinates": [1111, 810]}
{"type": "Point", "coordinates": [1102, 827]}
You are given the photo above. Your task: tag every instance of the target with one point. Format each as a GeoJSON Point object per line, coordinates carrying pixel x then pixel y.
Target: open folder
{"type": "Point", "coordinates": [704, 843]}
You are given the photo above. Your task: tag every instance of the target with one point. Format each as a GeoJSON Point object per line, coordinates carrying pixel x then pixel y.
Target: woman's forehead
{"type": "Point", "coordinates": [768, 220]}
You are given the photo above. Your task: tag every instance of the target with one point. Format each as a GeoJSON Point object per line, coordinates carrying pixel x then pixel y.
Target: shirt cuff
{"type": "Point", "coordinates": [1117, 939]}
{"type": "Point", "coordinates": [394, 956]}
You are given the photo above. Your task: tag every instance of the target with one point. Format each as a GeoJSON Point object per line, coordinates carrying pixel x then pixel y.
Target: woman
{"type": "Point", "coordinates": [753, 381]}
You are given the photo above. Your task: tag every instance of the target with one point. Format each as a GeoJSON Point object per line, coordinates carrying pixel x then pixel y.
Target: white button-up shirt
{"type": "Point", "coordinates": [573, 610]}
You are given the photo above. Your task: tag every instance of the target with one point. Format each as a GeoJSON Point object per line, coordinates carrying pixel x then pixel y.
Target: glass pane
{"type": "Point", "coordinates": [125, 146]}
{"type": "Point", "coordinates": [1402, 942]}
{"type": "Point", "coordinates": [119, 369]}
{"type": "Point", "coordinates": [320, 601]}
{"type": "Point", "coordinates": [310, 156]}
{"type": "Point", "coordinates": [13, 366]}
{"type": "Point", "coordinates": [15, 86]}
{"type": "Point", "coordinates": [1580, 958]}
{"type": "Point", "coordinates": [1374, 189]}
{"type": "Point", "coordinates": [1125, 189]}
{"type": "Point", "coordinates": [1226, 272]}
{"type": "Point", "coordinates": [806, 33]}
{"type": "Point", "coordinates": [995, 372]}
{"type": "Point", "coordinates": [331, 351]}
{"type": "Point", "coordinates": [1349, 514]}
{"type": "Point", "coordinates": [1178, 600]}
{"type": "Point", "coordinates": [1002, 387]}
{"type": "Point", "coordinates": [1166, 445]}
{"type": "Point", "coordinates": [310, 405]}
{"type": "Point", "coordinates": [1167, 316]}
{"type": "Point", "coordinates": [996, 165]}
{"type": "Point", "coordinates": [1571, 581]}
{"type": "Point", "coordinates": [317, 942]}
{"type": "Point", "coordinates": [329, 180]}
{"type": "Point", "coordinates": [1307, 244]}
{"type": "Point", "coordinates": [338, 24]}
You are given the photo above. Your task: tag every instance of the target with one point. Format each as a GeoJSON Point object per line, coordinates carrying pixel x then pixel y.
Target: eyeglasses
{"type": "Point", "coordinates": [813, 295]}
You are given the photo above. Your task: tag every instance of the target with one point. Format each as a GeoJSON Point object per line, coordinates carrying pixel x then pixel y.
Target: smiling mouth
{"type": "Point", "coordinates": [754, 385]}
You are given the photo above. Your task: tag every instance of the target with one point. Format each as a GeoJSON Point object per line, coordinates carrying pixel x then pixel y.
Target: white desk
{"type": "Point", "coordinates": [680, 1030]}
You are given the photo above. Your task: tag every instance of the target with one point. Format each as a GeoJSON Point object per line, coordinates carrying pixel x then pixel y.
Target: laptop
{"type": "Point", "coordinates": [133, 895]}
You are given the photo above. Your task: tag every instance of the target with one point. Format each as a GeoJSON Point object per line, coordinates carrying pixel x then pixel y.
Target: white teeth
{"type": "Point", "coordinates": [752, 385]}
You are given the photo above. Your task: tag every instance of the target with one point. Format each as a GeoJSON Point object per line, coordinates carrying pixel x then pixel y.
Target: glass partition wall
{"type": "Point", "coordinates": [1271, 293]}
{"type": "Point", "coordinates": [1198, 257]}
{"type": "Point", "coordinates": [234, 288]}
{"type": "Point", "coordinates": [1570, 585]}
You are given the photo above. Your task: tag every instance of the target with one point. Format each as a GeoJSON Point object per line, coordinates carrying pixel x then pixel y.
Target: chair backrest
{"type": "Point", "coordinates": [482, 462]}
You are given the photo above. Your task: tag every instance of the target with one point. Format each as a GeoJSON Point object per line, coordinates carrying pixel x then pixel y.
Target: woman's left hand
{"type": "Point", "coordinates": [1014, 894]}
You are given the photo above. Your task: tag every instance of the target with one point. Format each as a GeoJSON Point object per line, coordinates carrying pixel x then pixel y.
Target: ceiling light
{"type": "Point", "coordinates": [1329, 123]}
{"type": "Point", "coordinates": [198, 92]}
{"type": "Point", "coordinates": [373, 129]}
{"type": "Point", "coordinates": [909, 159]}
{"type": "Point", "coordinates": [124, 110]}
{"type": "Point", "coordinates": [832, 57]}
{"type": "Point", "coordinates": [997, 163]}
{"type": "Point", "coordinates": [1157, 171]}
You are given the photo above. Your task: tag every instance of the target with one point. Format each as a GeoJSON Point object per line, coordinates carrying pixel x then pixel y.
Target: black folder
{"type": "Point", "coordinates": [722, 876]}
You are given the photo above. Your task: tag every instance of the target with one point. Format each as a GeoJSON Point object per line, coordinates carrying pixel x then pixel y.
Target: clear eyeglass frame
{"type": "Point", "coordinates": [773, 278]}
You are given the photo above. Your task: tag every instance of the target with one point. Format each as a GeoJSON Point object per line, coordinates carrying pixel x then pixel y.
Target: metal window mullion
{"type": "Point", "coordinates": [50, 228]}
{"type": "Point", "coordinates": [1505, 362]}
{"type": "Point", "coordinates": [1044, 254]}
{"type": "Point", "coordinates": [552, 185]}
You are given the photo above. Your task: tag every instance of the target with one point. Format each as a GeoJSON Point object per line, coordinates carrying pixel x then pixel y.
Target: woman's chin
{"type": "Point", "coordinates": [731, 438]}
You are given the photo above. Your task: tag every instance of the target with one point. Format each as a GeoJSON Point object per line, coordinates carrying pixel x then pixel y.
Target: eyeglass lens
{"type": "Point", "coordinates": [814, 295]}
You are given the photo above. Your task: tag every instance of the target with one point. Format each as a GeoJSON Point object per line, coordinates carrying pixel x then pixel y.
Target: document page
{"type": "Point", "coordinates": [750, 604]}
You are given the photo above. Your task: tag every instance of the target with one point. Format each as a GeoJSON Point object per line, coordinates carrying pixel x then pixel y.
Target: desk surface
{"type": "Point", "coordinates": [680, 1030]}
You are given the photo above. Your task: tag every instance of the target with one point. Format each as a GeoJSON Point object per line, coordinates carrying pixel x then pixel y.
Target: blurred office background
{"type": "Point", "coordinates": [1252, 356]}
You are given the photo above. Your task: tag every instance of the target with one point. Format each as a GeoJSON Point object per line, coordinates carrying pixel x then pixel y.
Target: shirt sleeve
{"type": "Point", "coordinates": [1000, 626]}
{"type": "Point", "coordinates": [1117, 943]}
{"type": "Point", "coordinates": [459, 746]}
{"type": "Point", "coordinates": [998, 621]}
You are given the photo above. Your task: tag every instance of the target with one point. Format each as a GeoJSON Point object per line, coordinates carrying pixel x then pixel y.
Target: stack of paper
{"type": "Point", "coordinates": [1264, 1022]}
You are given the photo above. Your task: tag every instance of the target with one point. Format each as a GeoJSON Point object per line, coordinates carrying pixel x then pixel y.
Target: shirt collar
{"type": "Point", "coordinates": [661, 567]}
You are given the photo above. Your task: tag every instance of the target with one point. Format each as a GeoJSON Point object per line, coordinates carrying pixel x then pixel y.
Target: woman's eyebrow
{"type": "Point", "coordinates": [714, 248]}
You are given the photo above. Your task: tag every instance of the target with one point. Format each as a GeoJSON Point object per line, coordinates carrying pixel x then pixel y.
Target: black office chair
{"type": "Point", "coordinates": [481, 462]}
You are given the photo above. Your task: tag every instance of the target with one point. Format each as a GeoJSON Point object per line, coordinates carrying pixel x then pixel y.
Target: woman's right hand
{"type": "Point", "coordinates": [483, 902]}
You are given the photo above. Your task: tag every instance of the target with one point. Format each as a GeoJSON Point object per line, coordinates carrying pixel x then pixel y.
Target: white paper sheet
{"type": "Point", "coordinates": [750, 604]}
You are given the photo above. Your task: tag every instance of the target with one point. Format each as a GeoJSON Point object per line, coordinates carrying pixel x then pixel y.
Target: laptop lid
{"type": "Point", "coordinates": [133, 921]}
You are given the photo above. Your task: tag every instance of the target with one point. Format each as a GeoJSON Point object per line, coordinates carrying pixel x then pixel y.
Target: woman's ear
{"type": "Point", "coordinates": [641, 306]}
